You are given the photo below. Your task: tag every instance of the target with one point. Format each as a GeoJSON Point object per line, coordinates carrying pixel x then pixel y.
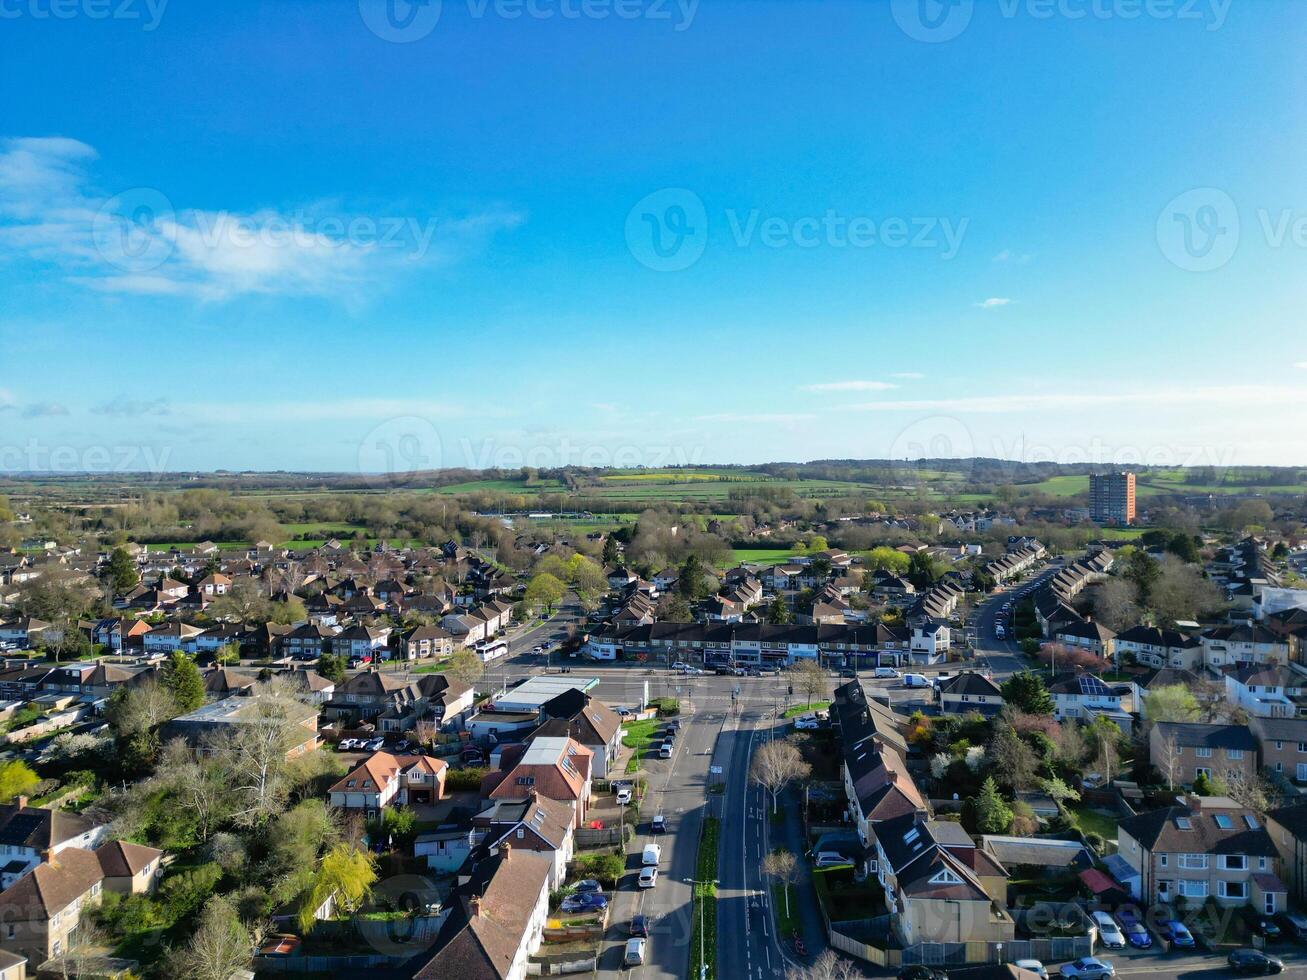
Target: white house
{"type": "Point", "coordinates": [1266, 691]}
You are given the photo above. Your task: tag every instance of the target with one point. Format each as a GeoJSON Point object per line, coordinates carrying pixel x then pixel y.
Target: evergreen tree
{"type": "Point", "coordinates": [612, 555]}
{"type": "Point", "coordinates": [993, 815]}
{"type": "Point", "coordinates": [1026, 692]}
{"type": "Point", "coordinates": [777, 614]}
{"type": "Point", "coordinates": [332, 667]}
{"type": "Point", "coordinates": [182, 679]}
{"type": "Point", "coordinates": [121, 571]}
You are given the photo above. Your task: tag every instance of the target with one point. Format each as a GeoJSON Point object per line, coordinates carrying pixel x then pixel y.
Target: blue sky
{"type": "Point", "coordinates": [270, 236]}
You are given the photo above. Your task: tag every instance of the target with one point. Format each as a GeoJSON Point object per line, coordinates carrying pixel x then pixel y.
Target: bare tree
{"type": "Point", "coordinates": [1168, 760]}
{"type": "Point", "coordinates": [782, 866]}
{"type": "Point", "coordinates": [254, 754]}
{"type": "Point", "coordinates": [807, 678]}
{"type": "Point", "coordinates": [1254, 792]}
{"type": "Point", "coordinates": [828, 966]}
{"type": "Point", "coordinates": [425, 731]}
{"type": "Point", "coordinates": [220, 946]}
{"type": "Point", "coordinates": [776, 764]}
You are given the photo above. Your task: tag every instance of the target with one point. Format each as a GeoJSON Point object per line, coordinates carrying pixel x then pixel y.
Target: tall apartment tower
{"type": "Point", "coordinates": [1112, 498]}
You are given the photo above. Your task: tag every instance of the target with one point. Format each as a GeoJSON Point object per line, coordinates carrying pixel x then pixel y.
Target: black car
{"type": "Point", "coordinates": [1262, 925]}
{"type": "Point", "coordinates": [922, 973]}
{"type": "Point", "coordinates": [1254, 961]}
{"type": "Point", "coordinates": [640, 926]}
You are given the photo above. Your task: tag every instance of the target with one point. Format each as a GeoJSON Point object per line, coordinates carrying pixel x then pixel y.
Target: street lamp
{"type": "Point", "coordinates": [703, 962]}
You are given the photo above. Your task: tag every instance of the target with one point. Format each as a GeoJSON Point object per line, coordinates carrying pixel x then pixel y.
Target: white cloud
{"type": "Point", "coordinates": [1007, 255]}
{"type": "Point", "coordinates": [1238, 395]}
{"type": "Point", "coordinates": [994, 302]}
{"type": "Point", "coordinates": [849, 386]}
{"type": "Point", "coordinates": [737, 418]}
{"type": "Point", "coordinates": [137, 242]}
{"type": "Point", "coordinates": [1301, 365]}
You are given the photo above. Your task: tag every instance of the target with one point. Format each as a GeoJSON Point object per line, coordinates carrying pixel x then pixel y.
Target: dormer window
{"type": "Point", "coordinates": [945, 877]}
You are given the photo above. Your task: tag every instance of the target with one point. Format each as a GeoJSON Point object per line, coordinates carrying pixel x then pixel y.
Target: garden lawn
{"type": "Point", "coordinates": [639, 735]}
{"type": "Point", "coordinates": [1090, 821]}
{"type": "Point", "coordinates": [806, 709]}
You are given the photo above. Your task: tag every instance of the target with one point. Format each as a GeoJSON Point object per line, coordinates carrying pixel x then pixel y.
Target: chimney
{"type": "Point", "coordinates": [474, 904]}
{"type": "Point", "coordinates": [506, 849]}
{"type": "Point", "coordinates": [21, 802]}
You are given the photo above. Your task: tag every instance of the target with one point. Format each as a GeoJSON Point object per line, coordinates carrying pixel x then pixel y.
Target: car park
{"type": "Point", "coordinates": [648, 877]}
{"type": "Point", "coordinates": [1134, 931]}
{"type": "Point", "coordinates": [1250, 960]}
{"type": "Point", "coordinates": [1109, 933]}
{"type": "Point", "coordinates": [1088, 967]}
{"type": "Point", "coordinates": [1175, 933]}
{"type": "Point", "coordinates": [635, 949]}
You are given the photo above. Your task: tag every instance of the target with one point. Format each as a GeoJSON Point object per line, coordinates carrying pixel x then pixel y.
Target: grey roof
{"type": "Point", "coordinates": [1193, 735]}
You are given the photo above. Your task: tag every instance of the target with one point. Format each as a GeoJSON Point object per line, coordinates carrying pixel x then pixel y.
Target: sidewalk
{"type": "Point", "coordinates": [803, 898]}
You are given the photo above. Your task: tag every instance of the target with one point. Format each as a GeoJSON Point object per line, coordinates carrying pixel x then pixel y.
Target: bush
{"type": "Point", "coordinates": [608, 868]}
{"type": "Point", "coordinates": [468, 778]}
{"type": "Point", "coordinates": [124, 915]}
{"type": "Point", "coordinates": [183, 893]}
{"type": "Point", "coordinates": [666, 706]}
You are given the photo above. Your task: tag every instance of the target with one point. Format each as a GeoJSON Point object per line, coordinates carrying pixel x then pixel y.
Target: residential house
{"type": "Point", "coordinates": [559, 768]}
{"type": "Point", "coordinates": [218, 718]}
{"type": "Point", "coordinates": [1266, 690]}
{"type": "Point", "coordinates": [969, 691]}
{"type": "Point", "coordinates": [1243, 645]}
{"type": "Point", "coordinates": [1209, 847]}
{"type": "Point", "coordinates": [496, 921]}
{"type": "Point", "coordinates": [31, 835]}
{"type": "Point", "coordinates": [533, 823]}
{"type": "Point", "coordinates": [589, 722]}
{"type": "Point", "coordinates": [130, 869]}
{"type": "Point", "coordinates": [422, 642]}
{"type": "Point", "coordinates": [1089, 636]}
{"type": "Point", "coordinates": [1282, 746]}
{"type": "Point", "coordinates": [1183, 751]}
{"type": "Point", "coordinates": [170, 636]}
{"type": "Point", "coordinates": [306, 642]}
{"type": "Point", "coordinates": [383, 779]}
{"type": "Point", "coordinates": [1287, 827]}
{"type": "Point", "coordinates": [934, 894]}
{"type": "Point", "coordinates": [1082, 696]}
{"type": "Point", "coordinates": [22, 634]}
{"type": "Point", "coordinates": [1155, 647]}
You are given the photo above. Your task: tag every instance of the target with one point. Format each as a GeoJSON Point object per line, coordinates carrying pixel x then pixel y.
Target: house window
{"type": "Point", "coordinates": [1261, 864]}
{"type": "Point", "coordinates": [1278, 745]}
{"type": "Point", "coordinates": [1233, 889]}
{"type": "Point", "coordinates": [1193, 889]}
{"type": "Point", "coordinates": [1302, 746]}
{"type": "Point", "coordinates": [1193, 862]}
{"type": "Point", "coordinates": [1234, 862]}
{"type": "Point", "coordinates": [1161, 860]}
{"type": "Point", "coordinates": [1234, 754]}
{"type": "Point", "coordinates": [1203, 752]}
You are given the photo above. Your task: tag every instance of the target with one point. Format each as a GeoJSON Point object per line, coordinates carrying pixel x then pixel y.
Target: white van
{"type": "Point", "coordinates": [916, 680]}
{"type": "Point", "coordinates": [886, 672]}
{"type": "Point", "coordinates": [829, 859]}
{"type": "Point", "coordinates": [652, 855]}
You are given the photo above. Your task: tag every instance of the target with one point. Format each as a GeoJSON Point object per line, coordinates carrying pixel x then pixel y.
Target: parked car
{"type": "Point", "coordinates": [639, 925]}
{"type": "Point", "coordinates": [1254, 961]}
{"type": "Point", "coordinates": [806, 724]}
{"type": "Point", "coordinates": [587, 885]}
{"type": "Point", "coordinates": [651, 855]}
{"type": "Point", "coordinates": [658, 825]}
{"type": "Point", "coordinates": [635, 948]}
{"type": "Point", "coordinates": [585, 902]}
{"type": "Point", "coordinates": [916, 680]}
{"type": "Point", "coordinates": [623, 713]}
{"type": "Point", "coordinates": [1089, 967]}
{"type": "Point", "coordinates": [1262, 925]}
{"type": "Point", "coordinates": [376, 745]}
{"type": "Point", "coordinates": [1108, 932]}
{"type": "Point", "coordinates": [829, 859]}
{"type": "Point", "coordinates": [920, 972]}
{"type": "Point", "coordinates": [665, 750]}
{"type": "Point", "coordinates": [1176, 934]}
{"type": "Point", "coordinates": [680, 665]}
{"type": "Point", "coordinates": [403, 745]}
{"type": "Point", "coordinates": [1135, 933]}
{"type": "Point", "coordinates": [1294, 925]}
{"type": "Point", "coordinates": [345, 744]}
{"type": "Point", "coordinates": [1034, 966]}
{"type": "Point", "coordinates": [886, 672]}
{"type": "Point", "coordinates": [648, 877]}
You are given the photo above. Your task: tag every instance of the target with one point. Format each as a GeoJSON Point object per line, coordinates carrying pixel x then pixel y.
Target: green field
{"type": "Point", "coordinates": [761, 556]}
